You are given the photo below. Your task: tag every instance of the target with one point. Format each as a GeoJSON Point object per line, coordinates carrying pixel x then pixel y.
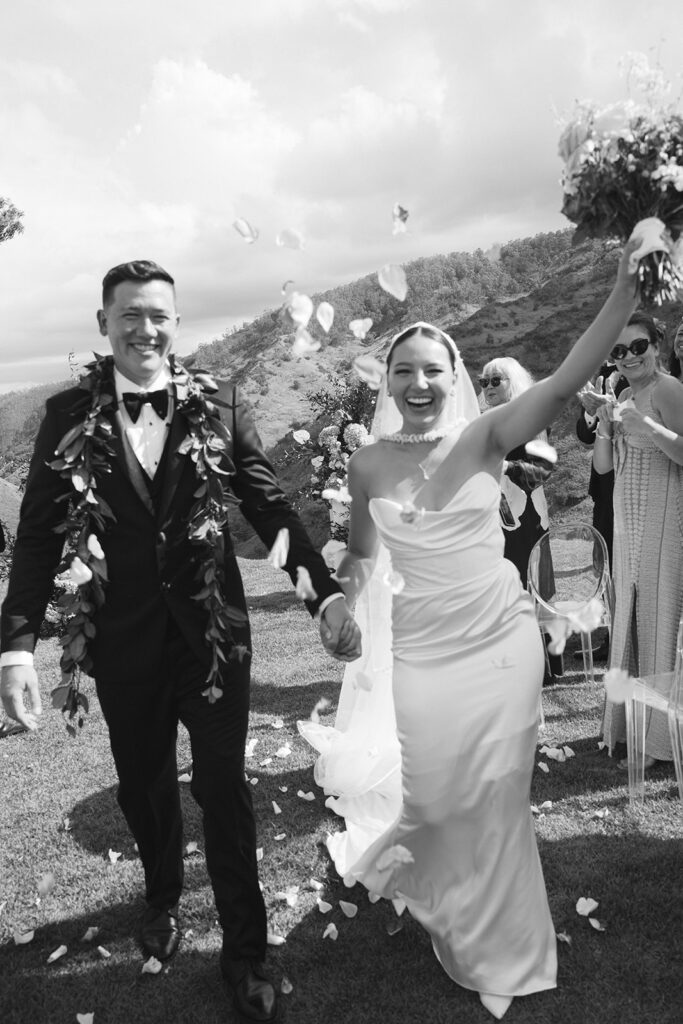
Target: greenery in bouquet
{"type": "Point", "coordinates": [624, 164]}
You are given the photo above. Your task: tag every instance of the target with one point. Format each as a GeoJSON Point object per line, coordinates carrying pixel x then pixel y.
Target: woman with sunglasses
{"type": "Point", "coordinates": [467, 656]}
{"type": "Point", "coordinates": [640, 438]}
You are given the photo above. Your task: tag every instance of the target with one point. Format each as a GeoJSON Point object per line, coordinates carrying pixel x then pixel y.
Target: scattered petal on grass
{"type": "Point", "coordinates": [304, 585]}
{"type": "Point", "coordinates": [563, 937]}
{"type": "Point", "coordinates": [399, 217]}
{"type": "Point", "coordinates": [283, 751]}
{"type": "Point", "coordinates": [275, 940]}
{"type": "Point", "coordinates": [601, 744]}
{"type": "Point", "coordinates": [191, 848]}
{"type": "Point", "coordinates": [594, 923]}
{"type": "Point", "coordinates": [90, 933]}
{"type": "Point", "coordinates": [304, 343]}
{"type": "Point", "coordinates": [22, 938]}
{"type": "Point", "coordinates": [305, 796]}
{"type": "Point", "coordinates": [323, 906]}
{"type": "Point", "coordinates": [283, 789]}
{"type": "Point", "coordinates": [280, 836]}
{"type": "Point", "coordinates": [568, 752]}
{"type": "Point", "coordinates": [290, 238]}
{"type": "Point", "coordinates": [331, 932]}
{"type": "Point", "coordinates": [554, 753]}
{"type": "Point", "coordinates": [374, 897]}
{"type": "Point", "coordinates": [585, 905]}
{"type": "Point", "coordinates": [259, 853]}
{"type": "Point", "coordinates": [618, 685]}
{"type": "Point", "coordinates": [276, 808]}
{"type": "Point", "coordinates": [152, 966]}
{"type": "Point", "coordinates": [56, 954]}
{"type": "Point", "coordinates": [277, 556]}
{"type": "Point", "coordinates": [301, 437]}
{"type": "Point", "coordinates": [543, 766]}
{"type": "Point", "coordinates": [324, 314]}
{"type": "Point", "coordinates": [185, 777]}
{"type": "Point", "coordinates": [66, 825]}
{"type": "Point", "coordinates": [114, 856]}
{"type": "Point", "coordinates": [392, 279]}
{"type": "Point", "coordinates": [46, 884]}
{"type": "Point", "coordinates": [253, 782]}
{"type": "Point", "coordinates": [602, 813]}
{"type": "Point", "coordinates": [394, 926]}
{"type": "Point", "coordinates": [394, 857]}
{"type": "Point", "coordinates": [286, 986]}
{"type": "Point", "coordinates": [289, 896]}
{"type": "Point", "coordinates": [348, 909]}
{"type": "Point", "coordinates": [265, 761]}
{"type": "Point", "coordinates": [85, 1018]}
{"type": "Point", "coordinates": [322, 705]}
{"type": "Point", "coordinates": [250, 748]}
{"type": "Point", "coordinates": [370, 370]}
{"type": "Point", "coordinates": [394, 581]}
{"type": "Point", "coordinates": [244, 228]}
{"type": "Point", "coordinates": [359, 328]}
{"type": "Point", "coordinates": [104, 953]}
{"type": "Point", "coordinates": [278, 723]}
{"type": "Point", "coordinates": [399, 905]}
{"type": "Point", "coordinates": [541, 450]}
{"type": "Point", "coordinates": [315, 885]}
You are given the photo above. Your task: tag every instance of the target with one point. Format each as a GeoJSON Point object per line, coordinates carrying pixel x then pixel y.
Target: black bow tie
{"type": "Point", "coordinates": [134, 401]}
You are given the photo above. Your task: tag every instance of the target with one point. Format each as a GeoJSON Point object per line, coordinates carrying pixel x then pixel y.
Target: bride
{"type": "Point", "coordinates": [458, 847]}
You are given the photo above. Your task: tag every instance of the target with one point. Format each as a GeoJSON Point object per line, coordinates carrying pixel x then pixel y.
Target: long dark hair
{"type": "Point", "coordinates": [674, 361]}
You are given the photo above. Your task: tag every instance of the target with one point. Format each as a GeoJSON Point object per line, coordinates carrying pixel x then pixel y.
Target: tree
{"type": "Point", "coordinates": [10, 220]}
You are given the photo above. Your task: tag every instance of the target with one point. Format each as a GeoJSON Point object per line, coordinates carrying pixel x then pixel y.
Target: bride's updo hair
{"type": "Point", "coordinates": [433, 333]}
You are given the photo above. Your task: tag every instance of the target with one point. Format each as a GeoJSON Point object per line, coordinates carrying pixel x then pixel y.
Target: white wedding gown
{"type": "Point", "coordinates": [467, 673]}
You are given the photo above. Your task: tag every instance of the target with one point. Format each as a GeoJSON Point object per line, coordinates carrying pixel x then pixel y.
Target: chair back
{"type": "Point", "coordinates": [568, 567]}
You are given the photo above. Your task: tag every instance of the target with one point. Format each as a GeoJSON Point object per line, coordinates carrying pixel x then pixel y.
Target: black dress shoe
{"type": "Point", "coordinates": [253, 995]}
{"type": "Point", "coordinates": [159, 933]}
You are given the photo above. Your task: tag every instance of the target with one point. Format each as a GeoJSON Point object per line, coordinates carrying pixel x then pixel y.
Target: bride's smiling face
{"type": "Point", "coordinates": [420, 380]}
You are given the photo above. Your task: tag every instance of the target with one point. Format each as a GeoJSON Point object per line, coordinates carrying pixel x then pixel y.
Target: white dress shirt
{"type": "Point", "coordinates": [148, 435]}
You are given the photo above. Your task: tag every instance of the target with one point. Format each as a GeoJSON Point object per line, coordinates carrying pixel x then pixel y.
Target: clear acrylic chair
{"type": "Point", "coordinates": [568, 568]}
{"type": "Point", "coordinates": [662, 692]}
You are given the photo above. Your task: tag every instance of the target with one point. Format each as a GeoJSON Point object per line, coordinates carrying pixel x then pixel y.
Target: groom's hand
{"type": "Point", "coordinates": [15, 682]}
{"type": "Point", "coordinates": [339, 633]}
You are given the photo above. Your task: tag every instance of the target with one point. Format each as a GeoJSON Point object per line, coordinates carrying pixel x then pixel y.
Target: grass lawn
{"type": "Point", "coordinates": [632, 862]}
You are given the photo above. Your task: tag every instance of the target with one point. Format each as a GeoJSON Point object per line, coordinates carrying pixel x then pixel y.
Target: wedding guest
{"type": "Point", "coordinates": [467, 656]}
{"type": "Point", "coordinates": [676, 356]}
{"type": "Point", "coordinates": [648, 525]}
{"type": "Point", "coordinates": [149, 430]}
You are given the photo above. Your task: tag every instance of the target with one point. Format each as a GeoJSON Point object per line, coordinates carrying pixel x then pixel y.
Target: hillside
{"type": "Point", "coordinates": [529, 299]}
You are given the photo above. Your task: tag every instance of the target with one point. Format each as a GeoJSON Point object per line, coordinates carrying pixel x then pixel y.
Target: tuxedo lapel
{"type": "Point", "coordinates": [175, 464]}
{"type": "Point", "coordinates": [129, 463]}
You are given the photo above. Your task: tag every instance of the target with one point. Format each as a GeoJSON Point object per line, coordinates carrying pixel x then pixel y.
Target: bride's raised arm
{"type": "Point", "coordinates": [521, 419]}
{"type": "Point", "coordinates": [357, 564]}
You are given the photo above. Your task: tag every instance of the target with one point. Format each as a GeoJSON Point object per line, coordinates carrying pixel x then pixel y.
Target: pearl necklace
{"type": "Point", "coordinates": [429, 435]}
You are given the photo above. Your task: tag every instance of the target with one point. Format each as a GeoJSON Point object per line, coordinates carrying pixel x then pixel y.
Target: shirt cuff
{"type": "Point", "coordinates": [8, 658]}
{"type": "Point", "coordinates": [590, 420]}
{"type": "Point", "coordinates": [328, 600]}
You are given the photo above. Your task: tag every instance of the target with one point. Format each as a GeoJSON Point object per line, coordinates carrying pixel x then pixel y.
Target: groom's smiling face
{"type": "Point", "coordinates": [141, 323]}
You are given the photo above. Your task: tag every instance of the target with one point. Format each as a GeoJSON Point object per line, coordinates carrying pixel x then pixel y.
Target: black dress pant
{"type": "Point", "coordinates": [143, 725]}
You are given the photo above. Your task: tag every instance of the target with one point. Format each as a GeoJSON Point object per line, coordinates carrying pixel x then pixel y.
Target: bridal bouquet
{"type": "Point", "coordinates": [624, 164]}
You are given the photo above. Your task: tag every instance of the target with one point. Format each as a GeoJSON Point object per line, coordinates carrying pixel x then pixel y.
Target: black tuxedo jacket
{"type": "Point", "coordinates": [151, 564]}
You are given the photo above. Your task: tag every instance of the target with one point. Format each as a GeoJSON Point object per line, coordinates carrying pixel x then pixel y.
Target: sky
{"type": "Point", "coordinates": [134, 130]}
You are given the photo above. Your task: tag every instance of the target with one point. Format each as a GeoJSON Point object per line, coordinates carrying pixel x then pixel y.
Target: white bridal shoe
{"type": "Point", "coordinates": [496, 1005]}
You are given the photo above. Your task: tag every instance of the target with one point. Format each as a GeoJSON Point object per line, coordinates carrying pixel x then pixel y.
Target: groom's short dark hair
{"type": "Point", "coordinates": [135, 270]}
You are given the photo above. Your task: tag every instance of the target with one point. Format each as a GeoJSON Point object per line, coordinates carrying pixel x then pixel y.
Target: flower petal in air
{"type": "Point", "coordinates": [370, 370]}
{"type": "Point", "coordinates": [277, 556]}
{"type": "Point", "coordinates": [290, 238]}
{"type": "Point", "coordinates": [244, 228]}
{"type": "Point", "coordinates": [392, 279]}
{"type": "Point", "coordinates": [56, 954]}
{"type": "Point", "coordinates": [304, 344]}
{"type": "Point", "coordinates": [585, 905]}
{"type": "Point", "coordinates": [399, 216]}
{"type": "Point", "coordinates": [394, 581]}
{"type": "Point", "coordinates": [304, 585]}
{"type": "Point", "coordinates": [299, 308]}
{"type": "Point", "coordinates": [331, 932]}
{"type": "Point", "coordinates": [618, 685]}
{"type": "Point", "coordinates": [540, 449]}
{"type": "Point", "coordinates": [324, 314]}
{"type": "Point", "coordinates": [359, 328]}
{"type": "Point", "coordinates": [348, 909]}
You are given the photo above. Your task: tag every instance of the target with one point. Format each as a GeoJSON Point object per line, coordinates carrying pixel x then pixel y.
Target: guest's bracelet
{"type": "Point", "coordinates": [603, 437]}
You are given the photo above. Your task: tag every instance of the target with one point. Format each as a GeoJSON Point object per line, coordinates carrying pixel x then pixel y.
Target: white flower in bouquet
{"type": "Point", "coordinates": [355, 436]}
{"type": "Point", "coordinates": [329, 438]}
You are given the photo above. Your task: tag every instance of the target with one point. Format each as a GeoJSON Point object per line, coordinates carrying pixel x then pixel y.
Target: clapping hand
{"type": "Point", "coordinates": [339, 632]}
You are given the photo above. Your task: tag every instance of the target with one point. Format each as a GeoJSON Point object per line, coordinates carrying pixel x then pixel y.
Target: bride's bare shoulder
{"type": "Point", "coordinates": [364, 461]}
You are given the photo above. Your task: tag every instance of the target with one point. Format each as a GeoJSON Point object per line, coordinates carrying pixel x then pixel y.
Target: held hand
{"type": "Point", "coordinates": [591, 398]}
{"type": "Point", "coordinates": [634, 421]}
{"type": "Point", "coordinates": [339, 633]}
{"type": "Point", "coordinates": [16, 682]}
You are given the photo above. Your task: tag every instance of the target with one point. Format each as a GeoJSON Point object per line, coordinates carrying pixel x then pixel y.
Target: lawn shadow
{"type": "Point", "coordinates": [275, 601]}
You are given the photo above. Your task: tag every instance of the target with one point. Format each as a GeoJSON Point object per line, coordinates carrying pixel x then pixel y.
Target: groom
{"type": "Point", "coordinates": [151, 650]}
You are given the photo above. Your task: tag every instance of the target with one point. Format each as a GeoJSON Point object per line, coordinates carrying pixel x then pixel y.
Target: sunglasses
{"type": "Point", "coordinates": [493, 381]}
{"type": "Point", "coordinates": [638, 347]}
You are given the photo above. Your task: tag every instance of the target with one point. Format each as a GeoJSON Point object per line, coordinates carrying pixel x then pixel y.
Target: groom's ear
{"type": "Point", "coordinates": [102, 322]}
